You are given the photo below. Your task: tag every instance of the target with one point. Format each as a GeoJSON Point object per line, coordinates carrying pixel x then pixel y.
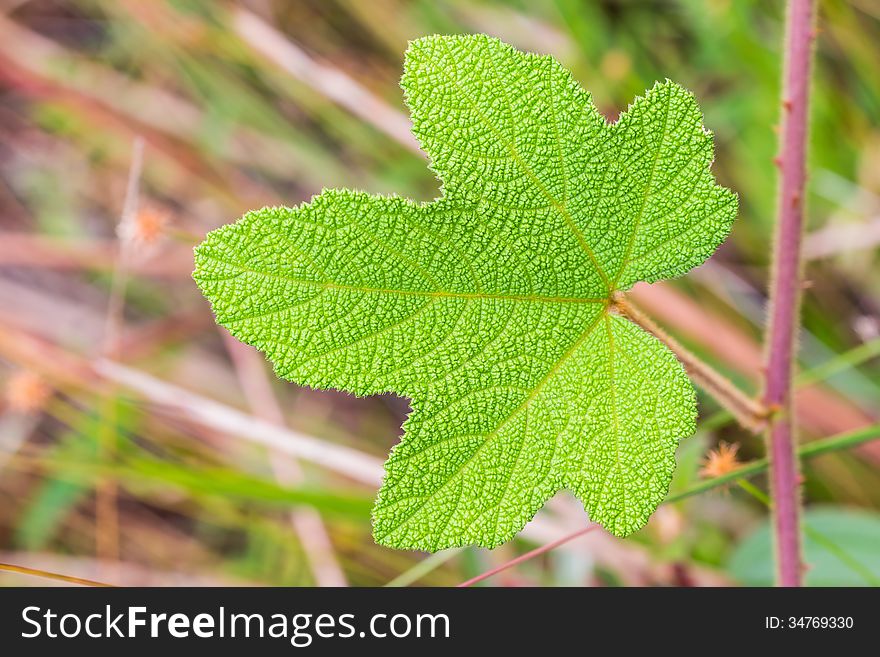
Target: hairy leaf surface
{"type": "Point", "coordinates": [490, 307]}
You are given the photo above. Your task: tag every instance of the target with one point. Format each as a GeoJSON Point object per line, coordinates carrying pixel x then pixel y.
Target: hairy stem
{"type": "Point", "coordinates": [528, 555]}
{"type": "Point", "coordinates": [785, 292]}
{"type": "Point", "coordinates": [749, 413]}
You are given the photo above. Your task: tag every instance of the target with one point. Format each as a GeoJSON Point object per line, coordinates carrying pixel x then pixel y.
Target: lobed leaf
{"type": "Point", "coordinates": [491, 307]}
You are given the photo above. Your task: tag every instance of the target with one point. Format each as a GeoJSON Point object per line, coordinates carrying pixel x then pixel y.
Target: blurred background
{"type": "Point", "coordinates": [139, 444]}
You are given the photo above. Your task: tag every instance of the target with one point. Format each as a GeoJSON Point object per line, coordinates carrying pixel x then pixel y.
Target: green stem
{"type": "Point", "coordinates": [423, 567]}
{"type": "Point", "coordinates": [754, 491]}
{"type": "Point", "coordinates": [839, 363]}
{"type": "Point", "coordinates": [810, 450]}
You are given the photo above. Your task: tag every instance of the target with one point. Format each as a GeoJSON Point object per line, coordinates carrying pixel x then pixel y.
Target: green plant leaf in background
{"type": "Point", "coordinates": [840, 549]}
{"type": "Point", "coordinates": [492, 306]}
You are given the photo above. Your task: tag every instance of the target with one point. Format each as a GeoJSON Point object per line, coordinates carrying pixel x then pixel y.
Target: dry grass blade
{"type": "Point", "coordinates": [226, 420]}
{"type": "Point", "coordinates": [325, 79]}
{"type": "Point", "coordinates": [306, 521]}
{"type": "Point", "coordinates": [45, 574]}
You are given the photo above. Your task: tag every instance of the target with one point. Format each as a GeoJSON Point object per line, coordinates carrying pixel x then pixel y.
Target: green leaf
{"type": "Point", "coordinates": [840, 549]}
{"type": "Point", "coordinates": [490, 307]}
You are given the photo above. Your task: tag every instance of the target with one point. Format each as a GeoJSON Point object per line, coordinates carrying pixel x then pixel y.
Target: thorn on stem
{"type": "Point", "coordinates": [795, 200]}
{"type": "Point", "coordinates": [787, 104]}
{"type": "Point", "coordinates": [777, 162]}
{"type": "Point", "coordinates": [772, 410]}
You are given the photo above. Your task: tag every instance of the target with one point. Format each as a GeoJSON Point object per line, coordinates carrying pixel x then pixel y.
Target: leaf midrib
{"type": "Point", "coordinates": [443, 294]}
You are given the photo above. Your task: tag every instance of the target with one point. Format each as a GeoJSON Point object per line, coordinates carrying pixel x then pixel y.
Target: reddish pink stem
{"type": "Point", "coordinates": [785, 292]}
{"type": "Point", "coordinates": [528, 555]}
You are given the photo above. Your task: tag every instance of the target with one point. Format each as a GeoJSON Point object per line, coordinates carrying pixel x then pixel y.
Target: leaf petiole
{"type": "Point", "coordinates": [748, 412]}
